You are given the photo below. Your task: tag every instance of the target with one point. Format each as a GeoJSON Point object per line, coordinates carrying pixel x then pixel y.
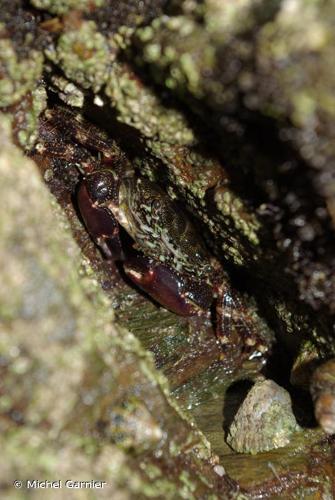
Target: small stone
{"type": "Point", "coordinates": [264, 421]}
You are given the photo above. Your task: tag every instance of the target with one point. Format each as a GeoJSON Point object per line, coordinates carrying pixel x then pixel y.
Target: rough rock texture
{"type": "Point", "coordinates": [258, 73]}
{"type": "Point", "coordinates": [229, 106]}
{"type": "Point", "coordinates": [73, 384]}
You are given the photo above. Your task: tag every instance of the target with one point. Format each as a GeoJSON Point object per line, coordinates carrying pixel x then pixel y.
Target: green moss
{"type": "Point", "coordinates": [180, 49]}
{"type": "Point", "coordinates": [18, 76]}
{"type": "Point", "coordinates": [84, 55]}
{"type": "Point", "coordinates": [67, 91]}
{"type": "Point", "coordinates": [300, 41]}
{"type": "Point", "coordinates": [63, 6]}
{"type": "Point", "coordinates": [139, 107]}
{"type": "Point", "coordinates": [27, 128]}
{"type": "Point", "coordinates": [231, 206]}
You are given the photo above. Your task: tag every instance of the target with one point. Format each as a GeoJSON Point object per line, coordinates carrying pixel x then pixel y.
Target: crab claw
{"type": "Point", "coordinates": [164, 285]}
{"type": "Point", "coordinates": [100, 224]}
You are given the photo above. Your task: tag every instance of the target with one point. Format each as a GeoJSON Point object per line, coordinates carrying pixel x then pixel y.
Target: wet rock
{"type": "Point", "coordinates": [76, 389]}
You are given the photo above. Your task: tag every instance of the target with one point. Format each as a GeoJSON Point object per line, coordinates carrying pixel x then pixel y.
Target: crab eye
{"type": "Point", "coordinates": [100, 186]}
{"type": "Point", "coordinates": [101, 190]}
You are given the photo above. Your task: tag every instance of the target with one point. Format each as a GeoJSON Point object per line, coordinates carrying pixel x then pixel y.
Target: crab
{"type": "Point", "coordinates": [133, 221]}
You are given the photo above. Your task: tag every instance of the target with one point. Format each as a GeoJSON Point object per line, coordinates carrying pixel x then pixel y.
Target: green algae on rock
{"type": "Point", "coordinates": [84, 55]}
{"type": "Point", "coordinates": [26, 115]}
{"type": "Point", "coordinates": [67, 91]}
{"type": "Point", "coordinates": [63, 6]}
{"type": "Point", "coordinates": [59, 343]}
{"type": "Point", "coordinates": [177, 46]}
{"type": "Point", "coordinates": [18, 75]}
{"type": "Point", "coordinates": [140, 107]}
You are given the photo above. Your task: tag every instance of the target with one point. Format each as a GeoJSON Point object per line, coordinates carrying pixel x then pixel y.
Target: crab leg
{"type": "Point", "coordinates": [236, 329]}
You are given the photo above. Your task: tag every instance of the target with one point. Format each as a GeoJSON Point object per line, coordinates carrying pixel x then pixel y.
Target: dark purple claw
{"type": "Point", "coordinates": [163, 285]}
{"type": "Point", "coordinates": [100, 224]}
